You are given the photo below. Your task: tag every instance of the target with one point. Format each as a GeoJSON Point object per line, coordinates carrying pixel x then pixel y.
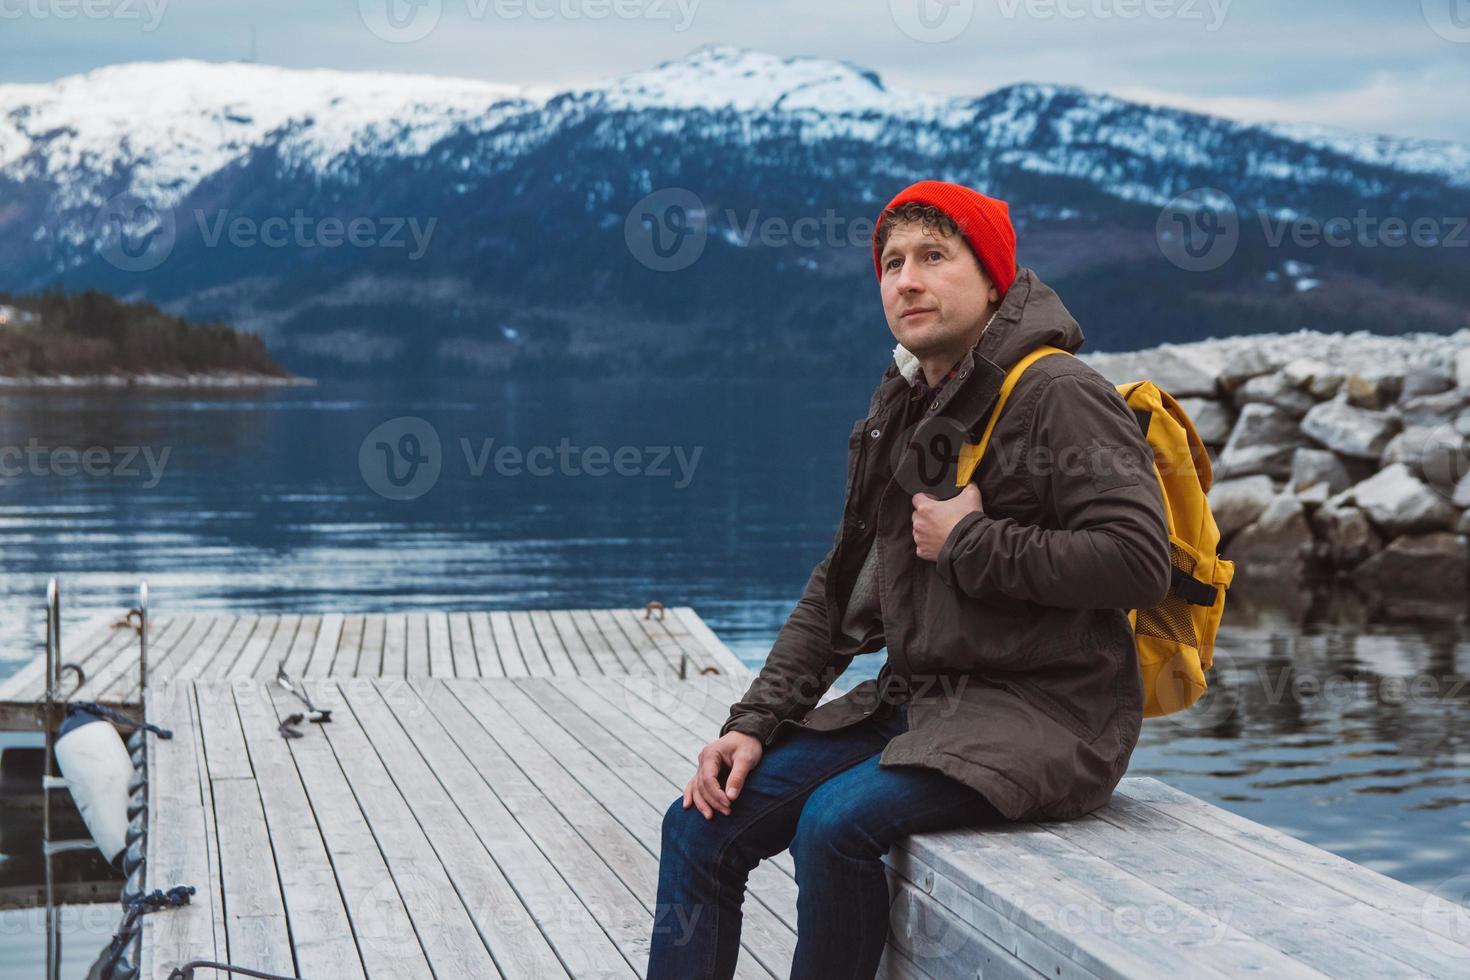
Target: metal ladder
{"type": "Point", "coordinates": [54, 713]}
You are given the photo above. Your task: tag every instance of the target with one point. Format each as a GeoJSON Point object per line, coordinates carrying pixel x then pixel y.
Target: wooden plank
{"type": "Point", "coordinates": [593, 661]}
{"type": "Point", "coordinates": [271, 630]}
{"type": "Point", "coordinates": [667, 750]}
{"type": "Point", "coordinates": [623, 826]}
{"type": "Point", "coordinates": [349, 647]}
{"type": "Point", "coordinates": [219, 724]}
{"type": "Point", "coordinates": [380, 922]}
{"type": "Point", "coordinates": [496, 907]}
{"type": "Point", "coordinates": [1412, 906]}
{"type": "Point", "coordinates": [660, 654]}
{"type": "Point", "coordinates": [445, 930]}
{"type": "Point", "coordinates": [178, 839]}
{"type": "Point", "coordinates": [1037, 880]}
{"type": "Point", "coordinates": [321, 932]}
{"type": "Point", "coordinates": [506, 644]}
{"type": "Point", "coordinates": [193, 663]}
{"type": "Point", "coordinates": [280, 648]}
{"type": "Point", "coordinates": [324, 650]}
{"type": "Point", "coordinates": [417, 664]}
{"type": "Point", "coordinates": [124, 660]}
{"type": "Point", "coordinates": [462, 646]}
{"type": "Point", "coordinates": [164, 659]}
{"type": "Point", "coordinates": [565, 661]}
{"type": "Point", "coordinates": [580, 906]}
{"type": "Point", "coordinates": [441, 653]}
{"type": "Point", "coordinates": [933, 941]}
{"type": "Point", "coordinates": [395, 645]}
{"type": "Point", "coordinates": [246, 628]}
{"type": "Point", "coordinates": [298, 654]}
{"type": "Point", "coordinates": [1308, 921]}
{"type": "Point", "coordinates": [255, 913]}
{"type": "Point", "coordinates": [676, 642]}
{"type": "Point", "coordinates": [617, 655]}
{"type": "Point", "coordinates": [94, 634]}
{"type": "Point", "coordinates": [487, 656]}
{"type": "Point", "coordinates": [538, 660]}
{"type": "Point", "coordinates": [641, 657]}
{"type": "Point", "coordinates": [723, 657]}
{"type": "Point", "coordinates": [374, 635]}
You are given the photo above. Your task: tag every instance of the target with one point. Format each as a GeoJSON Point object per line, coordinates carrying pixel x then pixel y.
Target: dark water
{"type": "Point", "coordinates": [728, 494]}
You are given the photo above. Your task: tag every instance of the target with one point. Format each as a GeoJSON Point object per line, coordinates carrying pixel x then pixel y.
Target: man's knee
{"type": "Point", "coordinates": [688, 834]}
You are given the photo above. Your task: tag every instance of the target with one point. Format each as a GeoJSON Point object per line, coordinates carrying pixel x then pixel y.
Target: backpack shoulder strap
{"type": "Point", "coordinates": [970, 453]}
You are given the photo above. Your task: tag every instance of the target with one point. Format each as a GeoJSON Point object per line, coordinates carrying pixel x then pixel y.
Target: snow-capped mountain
{"type": "Point", "coordinates": [515, 207]}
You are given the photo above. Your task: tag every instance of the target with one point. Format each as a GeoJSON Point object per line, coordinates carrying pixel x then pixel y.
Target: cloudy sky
{"type": "Point", "coordinates": [1384, 66]}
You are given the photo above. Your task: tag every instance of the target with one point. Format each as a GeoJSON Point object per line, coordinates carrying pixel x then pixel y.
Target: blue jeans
{"type": "Point", "coordinates": [823, 795]}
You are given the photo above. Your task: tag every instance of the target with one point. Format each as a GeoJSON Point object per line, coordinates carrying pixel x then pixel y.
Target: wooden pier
{"type": "Point", "coordinates": [487, 801]}
{"type": "Point", "coordinates": [214, 646]}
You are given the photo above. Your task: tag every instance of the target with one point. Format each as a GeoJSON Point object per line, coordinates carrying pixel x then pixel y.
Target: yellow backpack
{"type": "Point", "coordinates": [1176, 638]}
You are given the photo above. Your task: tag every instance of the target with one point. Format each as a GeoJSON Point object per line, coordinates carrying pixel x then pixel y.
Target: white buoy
{"type": "Point", "coordinates": [96, 765]}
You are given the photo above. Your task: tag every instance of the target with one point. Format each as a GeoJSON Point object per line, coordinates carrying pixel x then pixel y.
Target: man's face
{"type": "Point", "coordinates": [935, 294]}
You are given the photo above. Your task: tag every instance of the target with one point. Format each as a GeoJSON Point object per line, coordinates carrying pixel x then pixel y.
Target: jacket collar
{"type": "Point", "coordinates": [1030, 315]}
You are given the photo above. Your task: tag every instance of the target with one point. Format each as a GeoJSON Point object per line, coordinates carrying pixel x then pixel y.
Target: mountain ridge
{"type": "Point", "coordinates": [749, 134]}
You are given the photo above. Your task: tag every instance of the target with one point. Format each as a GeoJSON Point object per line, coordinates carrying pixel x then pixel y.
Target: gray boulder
{"type": "Point", "coordinates": [1316, 378]}
{"type": "Point", "coordinates": [1346, 537]}
{"type": "Point", "coordinates": [1425, 381]}
{"type": "Point", "coordinates": [1263, 441]}
{"type": "Point", "coordinates": [1211, 419]}
{"type": "Point", "coordinates": [1435, 454]}
{"type": "Point", "coordinates": [1348, 430]}
{"type": "Point", "coordinates": [1275, 389]}
{"type": "Point", "coordinates": [1236, 503]}
{"type": "Point", "coordinates": [1397, 502]}
{"type": "Point", "coordinates": [1179, 373]}
{"type": "Point", "coordinates": [1372, 390]}
{"type": "Point", "coordinates": [1318, 466]}
{"type": "Point", "coordinates": [1462, 369]}
{"type": "Point", "coordinates": [1433, 409]}
{"type": "Point", "coordinates": [1279, 540]}
{"type": "Point", "coordinates": [1239, 365]}
{"type": "Point", "coordinates": [1433, 565]}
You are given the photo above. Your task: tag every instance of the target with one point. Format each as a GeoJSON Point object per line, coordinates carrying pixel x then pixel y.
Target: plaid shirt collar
{"type": "Point", "coordinates": [922, 391]}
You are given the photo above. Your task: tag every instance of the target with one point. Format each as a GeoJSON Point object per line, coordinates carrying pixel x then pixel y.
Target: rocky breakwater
{"type": "Point", "coordinates": [1337, 455]}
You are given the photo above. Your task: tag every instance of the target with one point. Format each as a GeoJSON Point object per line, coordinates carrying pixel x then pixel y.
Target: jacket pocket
{"type": "Point", "coordinates": [1054, 709]}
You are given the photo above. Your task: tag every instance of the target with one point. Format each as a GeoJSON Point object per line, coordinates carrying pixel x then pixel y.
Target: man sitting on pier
{"type": "Point", "coordinates": [1011, 689]}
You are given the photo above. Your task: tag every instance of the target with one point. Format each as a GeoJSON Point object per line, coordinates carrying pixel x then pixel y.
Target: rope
{"type": "Point", "coordinates": [110, 714]}
{"type": "Point", "coordinates": [136, 909]}
{"type": "Point", "coordinates": [186, 972]}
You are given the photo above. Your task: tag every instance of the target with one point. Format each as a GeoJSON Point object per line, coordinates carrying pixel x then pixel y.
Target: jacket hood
{"type": "Point", "coordinates": [1030, 315]}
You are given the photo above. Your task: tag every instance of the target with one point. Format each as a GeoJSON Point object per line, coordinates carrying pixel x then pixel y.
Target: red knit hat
{"type": "Point", "coordinates": [984, 221]}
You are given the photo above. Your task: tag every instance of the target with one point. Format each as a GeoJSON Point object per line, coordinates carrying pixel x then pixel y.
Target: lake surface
{"type": "Point", "coordinates": [1333, 722]}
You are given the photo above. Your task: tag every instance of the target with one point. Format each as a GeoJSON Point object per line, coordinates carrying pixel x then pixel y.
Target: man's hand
{"type": "Point", "coordinates": [934, 518]}
{"type": "Point", "coordinates": [739, 751]}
